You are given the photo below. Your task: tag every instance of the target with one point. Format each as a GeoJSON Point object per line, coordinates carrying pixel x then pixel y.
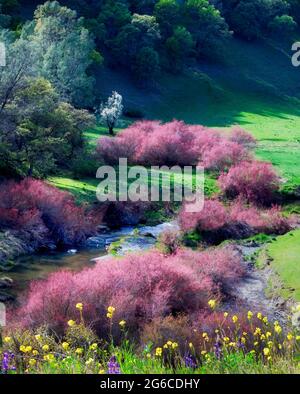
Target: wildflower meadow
{"type": "Point", "coordinates": [240, 343]}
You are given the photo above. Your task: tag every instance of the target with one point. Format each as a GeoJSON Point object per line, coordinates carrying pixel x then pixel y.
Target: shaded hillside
{"type": "Point", "coordinates": [257, 87]}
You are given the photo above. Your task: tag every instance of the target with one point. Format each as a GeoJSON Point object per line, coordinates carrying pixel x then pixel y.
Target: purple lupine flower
{"type": "Point", "coordinates": [113, 366]}
{"type": "Point", "coordinates": [240, 344]}
{"type": "Point", "coordinates": [6, 364]}
{"type": "Point", "coordinates": [218, 349]}
{"type": "Point", "coordinates": [190, 361]}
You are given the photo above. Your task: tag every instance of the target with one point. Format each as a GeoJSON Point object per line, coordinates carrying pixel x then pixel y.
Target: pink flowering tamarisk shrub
{"type": "Point", "coordinates": [127, 143]}
{"type": "Point", "coordinates": [218, 222]}
{"type": "Point", "coordinates": [140, 286]}
{"type": "Point", "coordinates": [223, 155]}
{"type": "Point", "coordinates": [212, 217]}
{"type": "Point", "coordinates": [269, 221]}
{"type": "Point", "coordinates": [153, 143]}
{"type": "Point", "coordinates": [176, 143]}
{"type": "Point", "coordinates": [173, 143]}
{"type": "Point", "coordinates": [241, 137]}
{"type": "Point", "coordinates": [37, 210]}
{"type": "Point", "coordinates": [254, 181]}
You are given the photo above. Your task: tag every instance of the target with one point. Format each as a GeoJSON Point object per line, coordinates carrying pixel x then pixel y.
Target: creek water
{"type": "Point", "coordinates": [40, 266]}
{"type": "Point", "coordinates": [247, 293]}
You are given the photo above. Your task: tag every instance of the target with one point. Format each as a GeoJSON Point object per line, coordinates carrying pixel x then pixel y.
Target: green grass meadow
{"type": "Point", "coordinates": [285, 255]}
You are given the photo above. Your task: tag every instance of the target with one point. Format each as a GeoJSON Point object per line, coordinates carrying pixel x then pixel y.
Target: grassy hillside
{"type": "Point", "coordinates": [285, 254]}
{"type": "Point", "coordinates": [257, 87]}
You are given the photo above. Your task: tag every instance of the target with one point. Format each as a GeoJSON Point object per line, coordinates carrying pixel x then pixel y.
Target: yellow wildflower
{"type": "Point", "coordinates": [212, 304]}
{"type": "Point", "coordinates": [35, 352]}
{"type": "Point", "coordinates": [290, 336]}
{"type": "Point", "coordinates": [71, 323]}
{"type": "Point", "coordinates": [28, 349]}
{"type": "Point", "coordinates": [45, 348]}
{"type": "Point", "coordinates": [232, 344]}
{"type": "Point", "coordinates": [79, 306]}
{"type": "Point", "coordinates": [32, 362]}
{"type": "Point", "coordinates": [266, 351]}
{"type": "Point", "coordinates": [165, 346]}
{"type": "Point", "coordinates": [49, 357]}
{"type": "Point", "coordinates": [235, 319]}
{"type": "Point", "coordinates": [111, 309]}
{"type": "Point", "coordinates": [257, 331]}
{"type": "Point", "coordinates": [191, 346]}
{"type": "Point", "coordinates": [203, 352]}
{"type": "Point", "coordinates": [23, 348]}
{"type": "Point", "coordinates": [225, 314]}
{"type": "Point", "coordinates": [65, 345]}
{"type": "Point", "coordinates": [7, 339]}
{"type": "Point", "coordinates": [298, 338]}
{"type": "Point", "coordinates": [226, 339]}
{"type": "Point", "coordinates": [122, 323]}
{"type": "Point", "coordinates": [101, 372]}
{"type": "Point", "coordinates": [250, 315]}
{"type": "Point", "coordinates": [296, 308]}
{"type": "Point", "coordinates": [174, 345]}
{"type": "Point", "coordinates": [169, 343]}
{"type": "Point", "coordinates": [259, 316]}
{"type": "Point", "coordinates": [265, 320]}
{"type": "Point", "coordinates": [89, 361]}
{"type": "Point", "coordinates": [158, 351]}
{"type": "Point", "coordinates": [38, 337]}
{"type": "Point", "coordinates": [79, 351]}
{"type": "Point", "coordinates": [263, 337]}
{"type": "Point", "coordinates": [94, 346]}
{"type": "Point", "coordinates": [269, 358]}
{"type": "Point", "coordinates": [277, 328]}
{"type": "Point", "coordinates": [268, 334]}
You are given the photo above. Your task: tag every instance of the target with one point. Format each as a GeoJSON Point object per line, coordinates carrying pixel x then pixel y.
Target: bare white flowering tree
{"type": "Point", "coordinates": [111, 111]}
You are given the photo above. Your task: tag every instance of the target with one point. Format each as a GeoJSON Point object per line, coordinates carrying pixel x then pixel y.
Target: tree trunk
{"type": "Point", "coordinates": [111, 130]}
{"type": "Point", "coordinates": [30, 170]}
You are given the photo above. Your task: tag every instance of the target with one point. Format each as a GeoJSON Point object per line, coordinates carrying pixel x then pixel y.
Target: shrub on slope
{"type": "Point", "coordinates": [236, 220]}
{"type": "Point", "coordinates": [223, 155]}
{"type": "Point", "coordinates": [254, 181]}
{"type": "Point", "coordinates": [39, 212]}
{"type": "Point", "coordinates": [174, 143]}
{"type": "Point", "coordinates": [241, 137]}
{"type": "Point", "coordinates": [212, 217]}
{"type": "Point", "coordinates": [140, 286]}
